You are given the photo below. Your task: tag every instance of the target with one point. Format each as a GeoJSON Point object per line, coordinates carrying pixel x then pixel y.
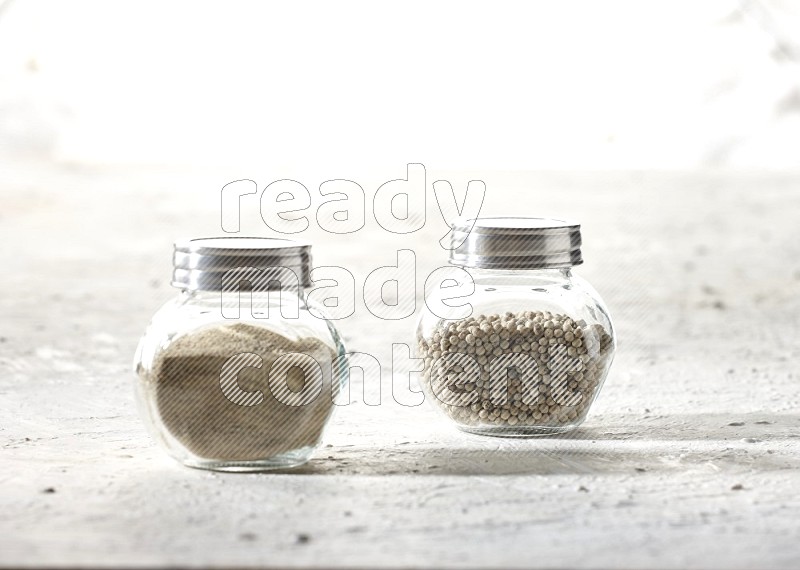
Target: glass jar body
{"type": "Point", "coordinates": [529, 359]}
{"type": "Point", "coordinates": [239, 388]}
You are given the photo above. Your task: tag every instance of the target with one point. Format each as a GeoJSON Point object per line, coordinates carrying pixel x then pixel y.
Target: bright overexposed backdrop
{"type": "Point", "coordinates": [618, 84]}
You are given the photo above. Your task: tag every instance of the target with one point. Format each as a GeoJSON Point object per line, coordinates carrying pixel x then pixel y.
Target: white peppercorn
{"type": "Point", "coordinates": [535, 363]}
{"type": "Point", "coordinates": [554, 366]}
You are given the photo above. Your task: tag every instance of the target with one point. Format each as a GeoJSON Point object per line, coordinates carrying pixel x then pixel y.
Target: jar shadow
{"type": "Point", "coordinates": [617, 444]}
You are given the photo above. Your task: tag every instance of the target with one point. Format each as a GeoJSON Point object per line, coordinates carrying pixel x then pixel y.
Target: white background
{"type": "Point", "coordinates": [501, 85]}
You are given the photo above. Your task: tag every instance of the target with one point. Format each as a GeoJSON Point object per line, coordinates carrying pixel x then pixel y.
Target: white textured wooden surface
{"type": "Point", "coordinates": [690, 458]}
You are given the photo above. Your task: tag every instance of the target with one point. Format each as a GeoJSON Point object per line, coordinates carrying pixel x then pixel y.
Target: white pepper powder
{"type": "Point", "coordinates": [186, 393]}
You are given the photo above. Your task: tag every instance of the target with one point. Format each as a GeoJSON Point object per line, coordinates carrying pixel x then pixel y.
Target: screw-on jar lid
{"type": "Point", "coordinates": [516, 243]}
{"type": "Point", "coordinates": [206, 263]}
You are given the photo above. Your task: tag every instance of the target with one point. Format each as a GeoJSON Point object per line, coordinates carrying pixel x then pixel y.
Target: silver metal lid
{"type": "Point", "coordinates": [206, 263]}
{"type": "Point", "coordinates": [516, 243]}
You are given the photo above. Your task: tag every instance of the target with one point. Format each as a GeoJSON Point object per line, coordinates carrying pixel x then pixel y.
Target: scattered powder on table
{"type": "Point", "coordinates": [237, 414]}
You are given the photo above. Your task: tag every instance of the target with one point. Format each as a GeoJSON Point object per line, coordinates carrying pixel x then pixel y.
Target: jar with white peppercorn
{"type": "Point", "coordinates": [239, 371]}
{"type": "Point", "coordinates": [527, 350]}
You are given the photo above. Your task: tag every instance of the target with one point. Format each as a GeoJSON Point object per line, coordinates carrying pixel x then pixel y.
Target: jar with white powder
{"type": "Point", "coordinates": [514, 344]}
{"type": "Point", "coordinates": [239, 372]}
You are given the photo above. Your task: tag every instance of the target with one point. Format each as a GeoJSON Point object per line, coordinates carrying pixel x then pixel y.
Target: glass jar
{"type": "Point", "coordinates": [239, 386]}
{"type": "Point", "coordinates": [529, 353]}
